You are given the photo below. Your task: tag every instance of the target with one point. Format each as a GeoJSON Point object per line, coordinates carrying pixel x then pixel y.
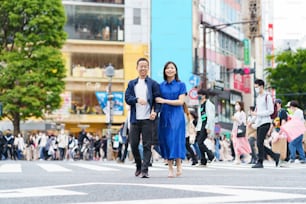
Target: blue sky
{"type": "Point", "coordinates": [289, 19]}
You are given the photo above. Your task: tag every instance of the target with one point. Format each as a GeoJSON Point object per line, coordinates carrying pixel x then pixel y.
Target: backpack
{"type": "Point", "coordinates": [275, 112]}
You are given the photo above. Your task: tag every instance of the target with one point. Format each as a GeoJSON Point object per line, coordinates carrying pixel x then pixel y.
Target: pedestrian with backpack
{"type": "Point", "coordinates": [264, 108]}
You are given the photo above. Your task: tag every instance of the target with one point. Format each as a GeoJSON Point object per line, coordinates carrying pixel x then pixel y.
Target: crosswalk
{"type": "Point", "coordinates": [110, 166]}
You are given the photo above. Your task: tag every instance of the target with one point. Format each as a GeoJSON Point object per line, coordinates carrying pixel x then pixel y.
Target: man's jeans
{"type": "Point", "coordinates": [297, 145]}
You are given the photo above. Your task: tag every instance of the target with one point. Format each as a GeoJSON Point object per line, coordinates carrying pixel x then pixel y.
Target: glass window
{"type": "Point", "coordinates": [92, 65]}
{"type": "Point", "coordinates": [85, 102]}
{"type": "Point", "coordinates": [137, 16]}
{"type": "Point", "coordinates": [94, 22]}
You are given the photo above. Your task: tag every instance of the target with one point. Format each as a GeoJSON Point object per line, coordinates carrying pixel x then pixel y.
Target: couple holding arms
{"type": "Point", "coordinates": [147, 99]}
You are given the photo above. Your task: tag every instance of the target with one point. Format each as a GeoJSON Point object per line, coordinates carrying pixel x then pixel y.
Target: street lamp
{"type": "Point", "coordinates": [109, 72]}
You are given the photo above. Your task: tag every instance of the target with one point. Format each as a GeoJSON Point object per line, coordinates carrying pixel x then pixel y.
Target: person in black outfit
{"type": "Point", "coordinates": [81, 137]}
{"type": "Point", "coordinates": [2, 142]}
{"type": "Point", "coordinates": [205, 126]}
{"type": "Point", "coordinates": [8, 145]}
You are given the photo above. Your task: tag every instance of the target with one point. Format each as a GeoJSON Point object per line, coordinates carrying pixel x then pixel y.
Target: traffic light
{"type": "Point", "coordinates": [239, 71]}
{"type": "Point", "coordinates": [244, 71]}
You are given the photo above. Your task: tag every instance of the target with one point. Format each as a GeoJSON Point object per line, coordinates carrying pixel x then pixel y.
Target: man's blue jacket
{"type": "Point", "coordinates": [153, 92]}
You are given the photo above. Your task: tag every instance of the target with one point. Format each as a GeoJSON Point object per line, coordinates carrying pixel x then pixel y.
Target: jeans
{"type": "Point", "coordinates": [297, 145]}
{"type": "Point", "coordinates": [217, 148]}
{"type": "Point", "coordinates": [62, 152]}
{"type": "Point", "coordinates": [252, 141]}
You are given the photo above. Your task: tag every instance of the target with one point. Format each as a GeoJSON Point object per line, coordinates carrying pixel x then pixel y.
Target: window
{"type": "Point", "coordinates": [92, 65]}
{"type": "Point", "coordinates": [94, 22]}
{"type": "Point", "coordinates": [137, 16]}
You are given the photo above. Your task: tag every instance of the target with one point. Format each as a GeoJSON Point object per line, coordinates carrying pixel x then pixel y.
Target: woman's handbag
{"type": "Point", "coordinates": [241, 130]}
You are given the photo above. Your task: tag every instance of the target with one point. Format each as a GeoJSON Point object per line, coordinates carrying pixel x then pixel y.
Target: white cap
{"type": "Point", "coordinates": [288, 104]}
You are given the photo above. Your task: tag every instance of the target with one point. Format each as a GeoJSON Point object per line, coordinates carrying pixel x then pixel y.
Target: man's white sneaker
{"type": "Point", "coordinates": [201, 165]}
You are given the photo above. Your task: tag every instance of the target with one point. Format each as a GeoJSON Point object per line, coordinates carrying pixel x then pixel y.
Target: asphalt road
{"type": "Point", "coordinates": [37, 182]}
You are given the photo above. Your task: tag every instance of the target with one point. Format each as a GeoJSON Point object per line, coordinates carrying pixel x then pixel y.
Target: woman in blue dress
{"type": "Point", "coordinates": [172, 120]}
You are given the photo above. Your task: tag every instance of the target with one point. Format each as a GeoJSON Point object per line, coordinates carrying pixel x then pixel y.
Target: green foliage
{"type": "Point", "coordinates": [288, 78]}
{"type": "Point", "coordinates": [31, 64]}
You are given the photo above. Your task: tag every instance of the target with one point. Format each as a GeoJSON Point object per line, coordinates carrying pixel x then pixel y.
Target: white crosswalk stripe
{"type": "Point", "coordinates": [94, 167]}
{"type": "Point", "coordinates": [110, 166]}
{"type": "Point", "coordinates": [10, 168]}
{"type": "Point", "coordinates": [54, 168]}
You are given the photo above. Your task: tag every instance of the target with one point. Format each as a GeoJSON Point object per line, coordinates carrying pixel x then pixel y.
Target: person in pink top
{"type": "Point", "coordinates": [241, 144]}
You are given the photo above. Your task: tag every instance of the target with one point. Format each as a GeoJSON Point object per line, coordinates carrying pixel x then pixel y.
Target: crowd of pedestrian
{"type": "Point", "coordinates": [52, 145]}
{"type": "Point", "coordinates": [160, 125]}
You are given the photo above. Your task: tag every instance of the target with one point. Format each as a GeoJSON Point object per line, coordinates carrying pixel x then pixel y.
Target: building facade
{"type": "Point", "coordinates": [206, 39]}
{"type": "Point", "coordinates": [100, 33]}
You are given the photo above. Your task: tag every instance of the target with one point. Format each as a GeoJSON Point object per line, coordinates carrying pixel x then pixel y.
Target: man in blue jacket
{"type": "Point", "coordinates": [140, 95]}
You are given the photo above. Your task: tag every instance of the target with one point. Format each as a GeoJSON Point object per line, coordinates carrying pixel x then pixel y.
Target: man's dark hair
{"type": "Point", "coordinates": [294, 104]}
{"type": "Point", "coordinates": [252, 108]}
{"type": "Point", "coordinates": [142, 59]}
{"type": "Point", "coordinates": [203, 92]}
{"type": "Point", "coordinates": [259, 82]}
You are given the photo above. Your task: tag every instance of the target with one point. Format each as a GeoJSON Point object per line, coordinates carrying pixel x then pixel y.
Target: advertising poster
{"type": "Point", "coordinates": [117, 102]}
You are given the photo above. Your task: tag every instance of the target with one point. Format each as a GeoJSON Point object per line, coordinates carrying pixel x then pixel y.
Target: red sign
{"type": "Point", "coordinates": [270, 32]}
{"type": "Point", "coordinates": [193, 93]}
{"type": "Point", "coordinates": [242, 83]}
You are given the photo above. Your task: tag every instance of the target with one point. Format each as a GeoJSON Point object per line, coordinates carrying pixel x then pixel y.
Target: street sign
{"type": "Point", "coordinates": [194, 80]}
{"type": "Point", "coordinates": [193, 94]}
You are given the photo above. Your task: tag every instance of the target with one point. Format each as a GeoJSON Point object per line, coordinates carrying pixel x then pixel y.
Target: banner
{"type": "Point", "coordinates": [117, 101]}
{"type": "Point", "coordinates": [65, 107]}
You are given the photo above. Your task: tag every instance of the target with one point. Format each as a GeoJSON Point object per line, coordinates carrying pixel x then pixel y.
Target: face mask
{"type": "Point", "coordinates": [200, 98]}
{"type": "Point", "coordinates": [257, 89]}
{"type": "Point", "coordinates": [237, 107]}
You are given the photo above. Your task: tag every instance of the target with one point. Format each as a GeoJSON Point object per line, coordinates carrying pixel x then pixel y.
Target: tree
{"type": "Point", "coordinates": [288, 78]}
{"type": "Point", "coordinates": [31, 64]}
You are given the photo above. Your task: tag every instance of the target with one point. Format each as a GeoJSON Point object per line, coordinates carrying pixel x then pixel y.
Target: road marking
{"type": "Point", "coordinates": [54, 168]}
{"type": "Point", "coordinates": [10, 168]}
{"type": "Point", "coordinates": [37, 192]}
{"type": "Point", "coordinates": [185, 167]}
{"type": "Point", "coordinates": [212, 193]}
{"type": "Point", "coordinates": [94, 167]}
{"type": "Point", "coordinates": [157, 166]}
{"type": "Point", "coordinates": [221, 194]}
{"type": "Point", "coordinates": [132, 166]}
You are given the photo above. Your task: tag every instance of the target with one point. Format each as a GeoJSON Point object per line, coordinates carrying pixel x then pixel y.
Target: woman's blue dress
{"type": "Point", "coordinates": [172, 122]}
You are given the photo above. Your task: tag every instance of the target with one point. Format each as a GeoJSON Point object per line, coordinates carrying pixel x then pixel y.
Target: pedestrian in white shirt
{"type": "Point", "coordinates": [264, 108]}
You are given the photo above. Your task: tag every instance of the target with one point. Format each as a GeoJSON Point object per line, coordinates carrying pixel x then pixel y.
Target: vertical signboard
{"type": "Point", "coordinates": [246, 51]}
{"type": "Point", "coordinates": [270, 32]}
